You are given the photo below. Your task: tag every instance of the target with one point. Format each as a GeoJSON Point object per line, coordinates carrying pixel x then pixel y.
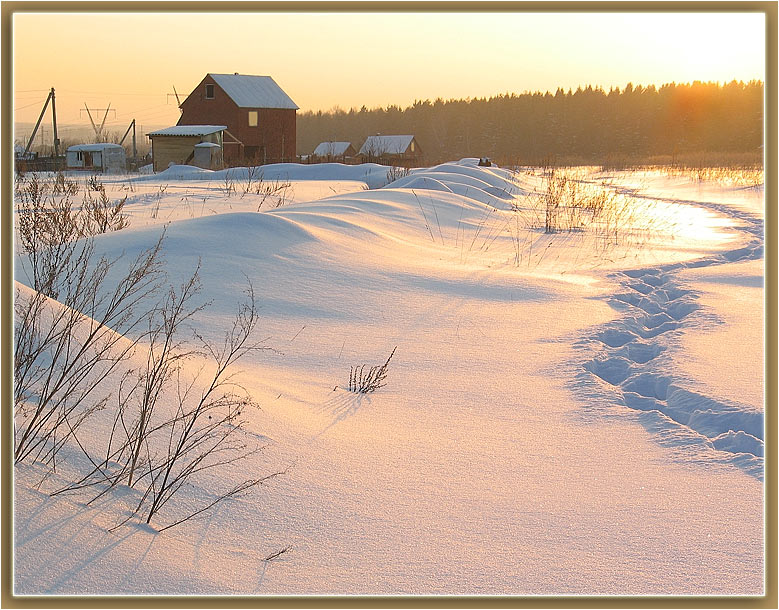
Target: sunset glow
{"type": "Point", "coordinates": [134, 61]}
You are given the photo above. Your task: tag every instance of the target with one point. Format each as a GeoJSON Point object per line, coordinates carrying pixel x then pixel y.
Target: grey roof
{"type": "Point", "coordinates": [253, 91]}
{"type": "Point", "coordinates": [393, 145]}
{"type": "Point", "coordinates": [331, 148]}
{"type": "Point", "coordinates": [93, 147]}
{"type": "Point", "coordinates": [188, 130]}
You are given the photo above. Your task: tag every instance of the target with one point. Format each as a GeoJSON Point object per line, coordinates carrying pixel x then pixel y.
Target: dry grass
{"type": "Point", "coordinates": [365, 382]}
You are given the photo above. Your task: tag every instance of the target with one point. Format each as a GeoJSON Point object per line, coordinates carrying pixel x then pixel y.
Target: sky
{"type": "Point", "coordinates": [132, 62]}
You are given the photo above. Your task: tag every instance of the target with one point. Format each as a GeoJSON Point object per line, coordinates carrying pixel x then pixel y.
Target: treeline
{"type": "Point", "coordinates": [631, 125]}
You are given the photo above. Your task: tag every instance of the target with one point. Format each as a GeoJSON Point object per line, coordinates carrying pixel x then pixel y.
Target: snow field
{"type": "Point", "coordinates": [552, 421]}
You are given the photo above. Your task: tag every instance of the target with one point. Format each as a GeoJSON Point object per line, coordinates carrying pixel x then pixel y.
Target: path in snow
{"type": "Point", "coordinates": [626, 355]}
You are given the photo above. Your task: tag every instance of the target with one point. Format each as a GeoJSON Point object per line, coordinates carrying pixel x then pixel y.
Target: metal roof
{"type": "Point", "coordinates": [253, 91]}
{"type": "Point", "coordinates": [331, 148]}
{"type": "Point", "coordinates": [188, 130]}
{"type": "Point", "coordinates": [92, 147]}
{"type": "Point", "coordinates": [393, 145]}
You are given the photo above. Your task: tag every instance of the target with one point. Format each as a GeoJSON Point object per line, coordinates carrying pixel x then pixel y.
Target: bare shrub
{"type": "Point", "coordinates": [364, 382]}
{"type": "Point", "coordinates": [253, 176]}
{"type": "Point", "coordinates": [66, 349]}
{"type": "Point", "coordinates": [162, 450]}
{"type": "Point", "coordinates": [165, 352]}
{"type": "Point", "coordinates": [102, 214]}
{"type": "Point", "coordinates": [206, 430]}
{"type": "Point", "coordinates": [228, 184]}
{"type": "Point", "coordinates": [155, 210]}
{"type": "Point", "coordinates": [396, 173]}
{"type": "Point", "coordinates": [94, 183]}
{"type": "Point", "coordinates": [47, 230]}
{"type": "Point", "coordinates": [274, 191]}
{"type": "Point", "coordinates": [63, 351]}
{"type": "Point", "coordinates": [63, 186]}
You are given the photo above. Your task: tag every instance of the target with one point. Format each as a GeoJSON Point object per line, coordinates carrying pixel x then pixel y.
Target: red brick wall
{"type": "Point", "coordinates": [276, 128]}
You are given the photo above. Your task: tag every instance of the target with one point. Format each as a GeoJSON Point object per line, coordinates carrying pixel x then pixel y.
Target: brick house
{"type": "Point", "coordinates": [260, 117]}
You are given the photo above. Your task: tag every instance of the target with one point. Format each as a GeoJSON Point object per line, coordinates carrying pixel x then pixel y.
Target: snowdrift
{"type": "Point", "coordinates": [371, 174]}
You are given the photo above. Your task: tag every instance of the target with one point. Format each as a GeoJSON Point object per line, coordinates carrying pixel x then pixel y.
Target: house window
{"type": "Point", "coordinates": [209, 92]}
{"type": "Point", "coordinates": [412, 146]}
{"type": "Point", "coordinates": [80, 156]}
{"type": "Point", "coordinates": [253, 118]}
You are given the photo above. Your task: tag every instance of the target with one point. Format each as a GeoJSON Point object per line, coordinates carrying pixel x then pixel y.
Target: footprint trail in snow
{"type": "Point", "coordinates": [628, 363]}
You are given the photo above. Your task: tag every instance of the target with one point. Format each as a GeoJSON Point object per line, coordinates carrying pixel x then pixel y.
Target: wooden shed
{"type": "Point", "coordinates": [391, 150]}
{"type": "Point", "coordinates": [333, 152]}
{"type": "Point", "coordinates": [259, 117]}
{"type": "Point", "coordinates": [179, 145]}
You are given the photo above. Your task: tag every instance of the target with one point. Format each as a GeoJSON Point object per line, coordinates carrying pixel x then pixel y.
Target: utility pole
{"type": "Point", "coordinates": [40, 118]}
{"type": "Point", "coordinates": [135, 150]}
{"type": "Point", "coordinates": [178, 98]}
{"type": "Point", "coordinates": [56, 139]}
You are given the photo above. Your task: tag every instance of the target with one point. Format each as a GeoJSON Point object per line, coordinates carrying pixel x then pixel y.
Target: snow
{"type": "Point", "coordinates": [188, 130]}
{"type": "Point", "coordinates": [380, 144]}
{"type": "Point", "coordinates": [569, 413]}
{"type": "Point", "coordinates": [324, 149]}
{"type": "Point", "coordinates": [253, 91]}
{"type": "Point", "coordinates": [371, 175]}
{"type": "Point", "coordinates": [93, 147]}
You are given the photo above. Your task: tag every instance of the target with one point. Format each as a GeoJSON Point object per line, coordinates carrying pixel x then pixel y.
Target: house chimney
{"type": "Point", "coordinates": [236, 73]}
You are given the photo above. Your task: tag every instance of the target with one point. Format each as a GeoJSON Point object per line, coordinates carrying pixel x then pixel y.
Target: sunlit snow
{"type": "Point", "coordinates": [576, 411]}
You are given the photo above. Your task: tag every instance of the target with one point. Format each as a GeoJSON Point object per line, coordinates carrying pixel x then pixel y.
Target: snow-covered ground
{"type": "Point", "coordinates": [576, 412]}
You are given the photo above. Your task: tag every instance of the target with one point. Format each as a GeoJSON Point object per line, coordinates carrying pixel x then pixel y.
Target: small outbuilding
{"type": "Point", "coordinates": [102, 157]}
{"type": "Point", "coordinates": [334, 152]}
{"type": "Point", "coordinates": [199, 145]}
{"type": "Point", "coordinates": [391, 150]}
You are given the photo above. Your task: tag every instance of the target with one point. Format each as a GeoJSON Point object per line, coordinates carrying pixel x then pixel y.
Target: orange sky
{"type": "Point", "coordinates": [133, 61]}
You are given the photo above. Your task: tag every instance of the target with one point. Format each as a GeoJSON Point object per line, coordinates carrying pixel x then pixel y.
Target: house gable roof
{"type": "Point", "coordinates": [393, 145]}
{"type": "Point", "coordinates": [331, 148]}
{"type": "Point", "coordinates": [253, 91]}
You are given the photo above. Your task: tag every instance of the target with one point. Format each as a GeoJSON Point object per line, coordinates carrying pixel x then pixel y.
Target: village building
{"type": "Point", "coordinates": [259, 117]}
{"type": "Point", "coordinates": [102, 157]}
{"type": "Point", "coordinates": [333, 152]}
{"type": "Point", "coordinates": [199, 145]}
{"type": "Point", "coordinates": [391, 150]}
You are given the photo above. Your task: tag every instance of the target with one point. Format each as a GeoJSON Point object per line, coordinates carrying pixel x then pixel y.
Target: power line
{"type": "Point", "coordinates": [108, 93]}
{"type": "Point", "coordinates": [35, 103]}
